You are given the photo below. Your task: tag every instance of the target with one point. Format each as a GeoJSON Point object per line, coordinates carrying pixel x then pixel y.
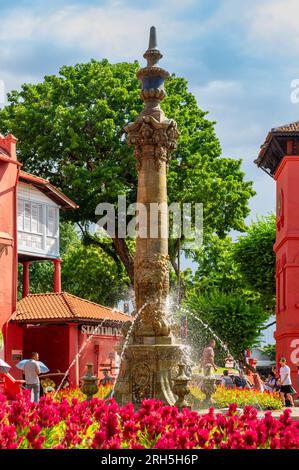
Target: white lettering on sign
{"type": "Point", "coordinates": [100, 330]}
{"type": "Point", "coordinates": [295, 353]}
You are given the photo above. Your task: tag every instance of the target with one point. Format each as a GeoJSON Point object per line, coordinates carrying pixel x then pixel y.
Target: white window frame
{"type": "Point", "coordinates": [42, 226]}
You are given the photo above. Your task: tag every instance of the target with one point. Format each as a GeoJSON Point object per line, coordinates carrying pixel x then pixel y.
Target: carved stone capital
{"type": "Point", "coordinates": [160, 135]}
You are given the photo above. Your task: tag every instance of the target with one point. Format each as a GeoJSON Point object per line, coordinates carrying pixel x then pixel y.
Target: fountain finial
{"type": "Point", "coordinates": [153, 38]}
{"type": "Point", "coordinates": [152, 55]}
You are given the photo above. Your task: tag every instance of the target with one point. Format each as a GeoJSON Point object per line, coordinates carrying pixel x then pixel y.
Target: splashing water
{"type": "Point", "coordinates": [126, 342]}
{"type": "Point", "coordinates": [86, 342]}
{"type": "Point", "coordinates": [216, 337]}
{"type": "Point", "coordinates": [205, 325]}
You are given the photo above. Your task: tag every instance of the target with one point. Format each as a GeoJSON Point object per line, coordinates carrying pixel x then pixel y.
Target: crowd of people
{"type": "Point", "coordinates": [278, 380]}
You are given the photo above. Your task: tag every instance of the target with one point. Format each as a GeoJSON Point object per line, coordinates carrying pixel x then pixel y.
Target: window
{"type": "Point", "coordinates": [36, 218]}
{"type": "Point", "coordinates": [52, 221]}
{"type": "Point", "coordinates": [30, 216]}
{"type": "Point", "coordinates": [20, 214]}
{"type": "Point", "coordinates": [38, 228]}
{"type": "Point", "coordinates": [27, 217]}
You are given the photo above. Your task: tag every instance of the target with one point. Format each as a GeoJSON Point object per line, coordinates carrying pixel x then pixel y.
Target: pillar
{"type": "Point", "coordinates": [9, 171]}
{"type": "Point", "coordinates": [26, 278]}
{"type": "Point", "coordinates": [57, 275]}
{"type": "Point", "coordinates": [151, 354]}
{"type": "Point", "coordinates": [287, 263]}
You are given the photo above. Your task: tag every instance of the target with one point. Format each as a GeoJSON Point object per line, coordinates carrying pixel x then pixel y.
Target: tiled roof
{"type": "Point", "coordinates": [63, 307]}
{"type": "Point", "coordinates": [291, 127]}
{"type": "Point", "coordinates": [46, 187]}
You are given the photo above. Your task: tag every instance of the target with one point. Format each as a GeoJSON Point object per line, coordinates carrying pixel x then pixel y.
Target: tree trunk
{"type": "Point", "coordinates": [123, 252]}
{"type": "Point", "coordinates": [181, 286]}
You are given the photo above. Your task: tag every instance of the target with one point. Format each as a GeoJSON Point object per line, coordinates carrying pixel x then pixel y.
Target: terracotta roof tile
{"type": "Point", "coordinates": [291, 127]}
{"type": "Point", "coordinates": [63, 307]}
{"type": "Point", "coordinates": [46, 187]}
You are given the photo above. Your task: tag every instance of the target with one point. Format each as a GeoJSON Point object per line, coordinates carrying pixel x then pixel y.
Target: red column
{"type": "Point", "coordinates": [9, 171]}
{"type": "Point", "coordinates": [26, 278]}
{"type": "Point", "coordinates": [57, 275]}
{"type": "Point", "coordinates": [287, 263]}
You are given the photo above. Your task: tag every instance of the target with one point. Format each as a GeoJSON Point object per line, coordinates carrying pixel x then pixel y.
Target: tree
{"type": "Point", "coordinates": [253, 253]}
{"type": "Point", "coordinates": [234, 319]}
{"type": "Point", "coordinates": [233, 287]}
{"type": "Point", "coordinates": [86, 271]}
{"type": "Point", "coordinates": [89, 273]}
{"type": "Point", "coordinates": [270, 349]}
{"type": "Point", "coordinates": [70, 130]}
{"type": "Point", "coordinates": [215, 267]}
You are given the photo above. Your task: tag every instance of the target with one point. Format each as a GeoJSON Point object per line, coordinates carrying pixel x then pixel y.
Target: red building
{"type": "Point", "coordinates": [54, 324]}
{"type": "Point", "coordinates": [279, 157]}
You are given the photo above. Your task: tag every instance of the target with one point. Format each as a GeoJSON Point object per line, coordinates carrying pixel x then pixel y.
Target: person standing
{"type": "Point", "coordinates": [286, 389]}
{"type": "Point", "coordinates": [32, 371]}
{"type": "Point", "coordinates": [208, 356]}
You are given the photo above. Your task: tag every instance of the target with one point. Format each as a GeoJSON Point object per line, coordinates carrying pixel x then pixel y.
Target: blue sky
{"type": "Point", "coordinates": [238, 57]}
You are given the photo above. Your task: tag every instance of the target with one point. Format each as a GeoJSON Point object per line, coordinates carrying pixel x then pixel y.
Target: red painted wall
{"type": "Point", "coordinates": [52, 344]}
{"type": "Point", "coordinates": [13, 343]}
{"type": "Point", "coordinates": [57, 346]}
{"type": "Point", "coordinates": [287, 263]}
{"type": "Point", "coordinates": [8, 225]}
{"type": "Point", "coordinates": [97, 351]}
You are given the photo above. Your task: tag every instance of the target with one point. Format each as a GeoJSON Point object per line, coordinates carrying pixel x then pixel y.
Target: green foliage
{"type": "Point", "coordinates": [232, 317]}
{"type": "Point", "coordinates": [216, 268]}
{"type": "Point", "coordinates": [253, 253]}
{"type": "Point", "coordinates": [233, 287]}
{"type": "Point", "coordinates": [270, 349]}
{"type": "Point", "coordinates": [87, 271]}
{"type": "Point", "coordinates": [70, 130]}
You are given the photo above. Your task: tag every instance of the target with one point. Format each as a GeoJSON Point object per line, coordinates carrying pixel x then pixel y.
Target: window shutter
{"type": "Point", "coordinates": [20, 215]}
{"type": "Point", "coordinates": [27, 217]}
{"type": "Point", "coordinates": [34, 218]}
{"type": "Point", "coordinates": [52, 221]}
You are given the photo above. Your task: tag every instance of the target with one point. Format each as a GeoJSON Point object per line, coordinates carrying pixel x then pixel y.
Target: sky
{"type": "Point", "coordinates": [239, 58]}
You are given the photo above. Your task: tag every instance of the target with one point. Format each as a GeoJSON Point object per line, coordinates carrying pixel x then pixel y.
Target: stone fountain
{"type": "Point", "coordinates": [151, 355]}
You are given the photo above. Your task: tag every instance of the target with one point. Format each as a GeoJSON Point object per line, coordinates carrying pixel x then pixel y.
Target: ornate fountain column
{"type": "Point", "coordinates": [150, 355]}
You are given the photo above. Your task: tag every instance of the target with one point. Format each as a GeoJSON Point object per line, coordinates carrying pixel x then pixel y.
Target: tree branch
{"type": "Point", "coordinates": [268, 326]}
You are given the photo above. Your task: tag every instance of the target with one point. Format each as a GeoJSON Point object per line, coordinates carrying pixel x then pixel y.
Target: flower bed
{"type": "Point", "coordinates": [224, 397]}
{"type": "Point", "coordinates": [71, 393]}
{"type": "Point", "coordinates": [98, 425]}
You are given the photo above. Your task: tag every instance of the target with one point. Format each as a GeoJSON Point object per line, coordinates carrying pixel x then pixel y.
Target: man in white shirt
{"type": "Point", "coordinates": [32, 371]}
{"type": "Point", "coordinates": [286, 388]}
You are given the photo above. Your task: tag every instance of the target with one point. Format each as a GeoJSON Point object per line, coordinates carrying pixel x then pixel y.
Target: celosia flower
{"type": "Point", "coordinates": [98, 424]}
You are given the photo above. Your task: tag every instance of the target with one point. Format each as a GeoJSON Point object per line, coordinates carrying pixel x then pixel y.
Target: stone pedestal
{"type": "Point", "coordinates": [147, 371]}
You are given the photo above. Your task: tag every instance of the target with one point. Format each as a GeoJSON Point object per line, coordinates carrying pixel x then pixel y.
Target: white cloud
{"type": "Point", "coordinates": [274, 24]}
{"type": "Point", "coordinates": [114, 30]}
{"type": "Point", "coordinates": [119, 31]}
